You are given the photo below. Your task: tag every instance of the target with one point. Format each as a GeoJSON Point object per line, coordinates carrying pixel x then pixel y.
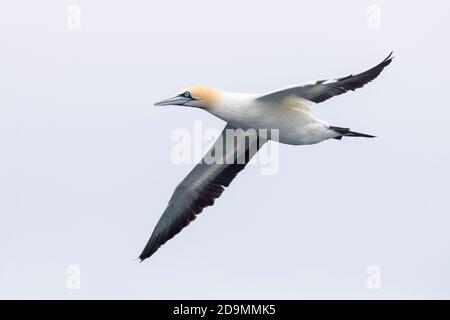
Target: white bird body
{"type": "Point", "coordinates": [292, 117]}
{"type": "Point", "coordinates": [287, 110]}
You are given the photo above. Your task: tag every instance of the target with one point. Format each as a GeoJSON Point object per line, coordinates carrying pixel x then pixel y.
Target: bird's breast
{"type": "Point", "coordinates": [295, 125]}
{"type": "Point", "coordinates": [252, 114]}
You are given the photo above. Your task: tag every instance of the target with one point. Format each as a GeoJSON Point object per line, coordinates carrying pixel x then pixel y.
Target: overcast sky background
{"type": "Point", "coordinates": [85, 168]}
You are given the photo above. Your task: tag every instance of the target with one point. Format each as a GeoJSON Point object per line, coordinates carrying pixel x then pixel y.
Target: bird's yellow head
{"type": "Point", "coordinates": [195, 96]}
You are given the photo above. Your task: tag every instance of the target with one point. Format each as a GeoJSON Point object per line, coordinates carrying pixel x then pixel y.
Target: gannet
{"type": "Point", "coordinates": [287, 110]}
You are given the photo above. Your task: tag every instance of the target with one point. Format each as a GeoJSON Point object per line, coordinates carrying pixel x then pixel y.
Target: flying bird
{"type": "Point", "coordinates": [286, 110]}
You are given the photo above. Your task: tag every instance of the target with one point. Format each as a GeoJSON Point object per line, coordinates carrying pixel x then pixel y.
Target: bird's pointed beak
{"type": "Point", "coordinates": [175, 101]}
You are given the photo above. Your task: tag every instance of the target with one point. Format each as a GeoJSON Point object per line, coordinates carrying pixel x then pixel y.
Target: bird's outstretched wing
{"type": "Point", "coordinates": [227, 157]}
{"type": "Point", "coordinates": [322, 90]}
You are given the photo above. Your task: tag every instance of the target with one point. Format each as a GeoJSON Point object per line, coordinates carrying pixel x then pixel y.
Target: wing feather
{"type": "Point", "coordinates": [322, 90]}
{"type": "Point", "coordinates": [205, 183]}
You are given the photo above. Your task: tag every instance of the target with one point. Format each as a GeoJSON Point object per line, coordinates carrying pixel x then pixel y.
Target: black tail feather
{"type": "Point", "coordinates": [345, 132]}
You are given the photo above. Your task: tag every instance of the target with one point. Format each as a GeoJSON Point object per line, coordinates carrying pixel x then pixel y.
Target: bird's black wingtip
{"type": "Point", "coordinates": [389, 58]}
{"type": "Point", "coordinates": [142, 257]}
{"type": "Point", "coordinates": [383, 64]}
{"type": "Point", "coordinates": [149, 250]}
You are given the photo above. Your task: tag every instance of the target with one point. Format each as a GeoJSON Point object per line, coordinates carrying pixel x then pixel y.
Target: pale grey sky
{"type": "Point", "coordinates": [85, 156]}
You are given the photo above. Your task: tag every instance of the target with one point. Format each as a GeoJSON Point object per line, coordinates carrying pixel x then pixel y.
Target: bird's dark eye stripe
{"type": "Point", "coordinates": [186, 94]}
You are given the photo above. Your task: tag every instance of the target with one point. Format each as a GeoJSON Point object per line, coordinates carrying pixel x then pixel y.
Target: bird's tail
{"type": "Point", "coordinates": [345, 132]}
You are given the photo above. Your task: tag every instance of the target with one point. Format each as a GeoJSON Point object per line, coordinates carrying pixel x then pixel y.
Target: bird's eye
{"type": "Point", "coordinates": [187, 94]}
